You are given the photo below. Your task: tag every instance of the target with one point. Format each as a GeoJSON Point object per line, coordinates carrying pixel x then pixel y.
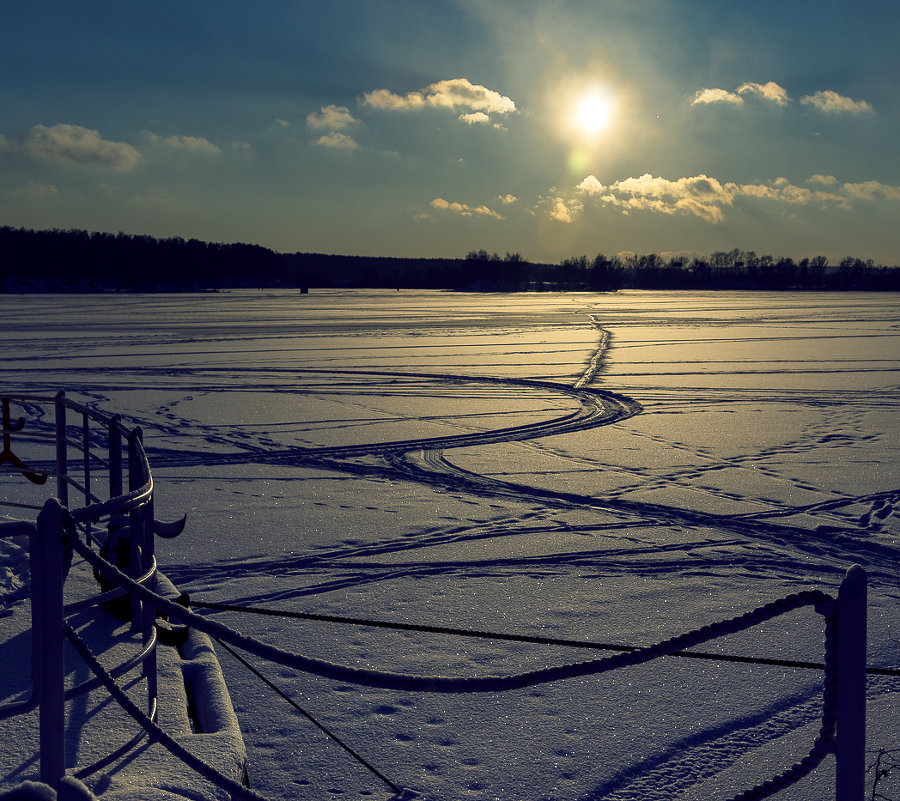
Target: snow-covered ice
{"type": "Point", "coordinates": [757, 454]}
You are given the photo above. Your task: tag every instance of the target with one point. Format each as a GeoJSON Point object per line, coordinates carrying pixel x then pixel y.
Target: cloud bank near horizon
{"type": "Point", "coordinates": [707, 198]}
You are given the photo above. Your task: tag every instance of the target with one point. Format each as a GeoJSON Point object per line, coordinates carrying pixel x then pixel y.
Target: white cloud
{"type": "Point", "coordinates": [475, 102]}
{"type": "Point", "coordinates": [832, 101]}
{"type": "Point", "coordinates": [783, 191]}
{"type": "Point", "coordinates": [194, 143]}
{"type": "Point", "coordinates": [331, 117]}
{"type": "Point", "coordinates": [699, 195]}
{"type": "Point", "coordinates": [873, 190]}
{"type": "Point", "coordinates": [388, 101]}
{"type": "Point", "coordinates": [779, 190]}
{"type": "Point", "coordinates": [769, 91]}
{"type": "Point", "coordinates": [774, 93]}
{"type": "Point", "coordinates": [464, 209]}
{"type": "Point", "coordinates": [564, 210]}
{"type": "Point", "coordinates": [506, 200]}
{"type": "Point", "coordinates": [708, 212]}
{"type": "Point", "coordinates": [446, 205]}
{"type": "Point", "coordinates": [475, 118]}
{"type": "Point", "coordinates": [697, 189]}
{"type": "Point", "coordinates": [706, 96]}
{"type": "Point", "coordinates": [460, 93]}
{"type": "Point", "coordinates": [72, 144]}
{"type": "Point", "coordinates": [707, 198]}
{"type": "Point", "coordinates": [337, 141]}
{"type": "Point", "coordinates": [591, 186]}
{"type": "Point", "coordinates": [487, 212]}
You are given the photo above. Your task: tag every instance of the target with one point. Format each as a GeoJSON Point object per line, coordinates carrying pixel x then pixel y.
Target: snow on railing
{"type": "Point", "coordinates": [843, 717]}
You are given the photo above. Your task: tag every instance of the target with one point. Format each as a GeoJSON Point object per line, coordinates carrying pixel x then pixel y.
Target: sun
{"type": "Point", "coordinates": [593, 112]}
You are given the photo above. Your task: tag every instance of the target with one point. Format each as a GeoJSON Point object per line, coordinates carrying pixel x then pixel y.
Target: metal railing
{"type": "Point", "coordinates": [90, 455]}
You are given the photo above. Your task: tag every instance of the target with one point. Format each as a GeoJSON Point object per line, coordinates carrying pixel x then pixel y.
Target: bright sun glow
{"type": "Point", "coordinates": [593, 112]}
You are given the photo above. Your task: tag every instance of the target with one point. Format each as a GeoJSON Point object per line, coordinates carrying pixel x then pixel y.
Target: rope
{"type": "Point", "coordinates": [824, 742]}
{"type": "Point", "coordinates": [822, 746]}
{"type": "Point", "coordinates": [444, 684]}
{"type": "Point", "coordinates": [236, 789]}
{"type": "Point", "coordinates": [396, 788]}
{"type": "Point", "coordinates": [185, 600]}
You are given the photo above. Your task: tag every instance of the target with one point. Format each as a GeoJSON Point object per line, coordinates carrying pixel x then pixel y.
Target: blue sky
{"type": "Point", "coordinates": [551, 128]}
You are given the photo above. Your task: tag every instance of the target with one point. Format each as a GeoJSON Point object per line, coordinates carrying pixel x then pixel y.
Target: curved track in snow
{"type": "Point", "coordinates": [596, 408]}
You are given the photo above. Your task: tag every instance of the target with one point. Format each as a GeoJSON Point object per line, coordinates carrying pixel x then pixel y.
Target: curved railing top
{"type": "Point", "coordinates": [120, 437]}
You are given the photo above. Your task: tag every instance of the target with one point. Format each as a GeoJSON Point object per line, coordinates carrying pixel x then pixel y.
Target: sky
{"type": "Point", "coordinates": [548, 128]}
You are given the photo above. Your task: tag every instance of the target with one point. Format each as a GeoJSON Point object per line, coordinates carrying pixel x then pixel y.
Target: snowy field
{"type": "Point", "coordinates": [375, 454]}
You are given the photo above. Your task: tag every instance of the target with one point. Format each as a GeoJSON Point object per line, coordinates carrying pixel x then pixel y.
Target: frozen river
{"type": "Point", "coordinates": [617, 467]}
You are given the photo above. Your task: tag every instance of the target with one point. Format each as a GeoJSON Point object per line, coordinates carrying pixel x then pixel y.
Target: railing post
{"type": "Point", "coordinates": [6, 424]}
{"type": "Point", "coordinates": [115, 458]}
{"type": "Point", "coordinates": [149, 612]}
{"type": "Point", "coordinates": [51, 671]}
{"type": "Point", "coordinates": [62, 467]}
{"type": "Point", "coordinates": [136, 525]}
{"type": "Point", "coordinates": [86, 444]}
{"type": "Point", "coordinates": [850, 747]}
{"type": "Point", "coordinates": [143, 615]}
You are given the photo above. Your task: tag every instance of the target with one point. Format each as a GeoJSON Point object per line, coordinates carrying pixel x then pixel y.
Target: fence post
{"type": "Point", "coordinates": [51, 670]}
{"type": "Point", "coordinates": [115, 457]}
{"type": "Point", "coordinates": [62, 466]}
{"type": "Point", "coordinates": [850, 747]}
{"type": "Point", "coordinates": [136, 524]}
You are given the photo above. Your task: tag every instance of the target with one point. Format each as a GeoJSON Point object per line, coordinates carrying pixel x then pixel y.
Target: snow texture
{"type": "Point", "coordinates": [676, 459]}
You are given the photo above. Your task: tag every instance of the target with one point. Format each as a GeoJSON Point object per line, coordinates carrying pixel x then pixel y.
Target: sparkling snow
{"type": "Point", "coordinates": [765, 460]}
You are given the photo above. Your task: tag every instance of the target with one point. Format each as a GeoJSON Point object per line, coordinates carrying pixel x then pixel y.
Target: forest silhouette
{"type": "Point", "coordinates": [79, 261]}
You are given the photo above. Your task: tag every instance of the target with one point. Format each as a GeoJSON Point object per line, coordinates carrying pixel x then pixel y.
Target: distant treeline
{"type": "Point", "coordinates": [78, 261]}
{"type": "Point", "coordinates": [734, 269]}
